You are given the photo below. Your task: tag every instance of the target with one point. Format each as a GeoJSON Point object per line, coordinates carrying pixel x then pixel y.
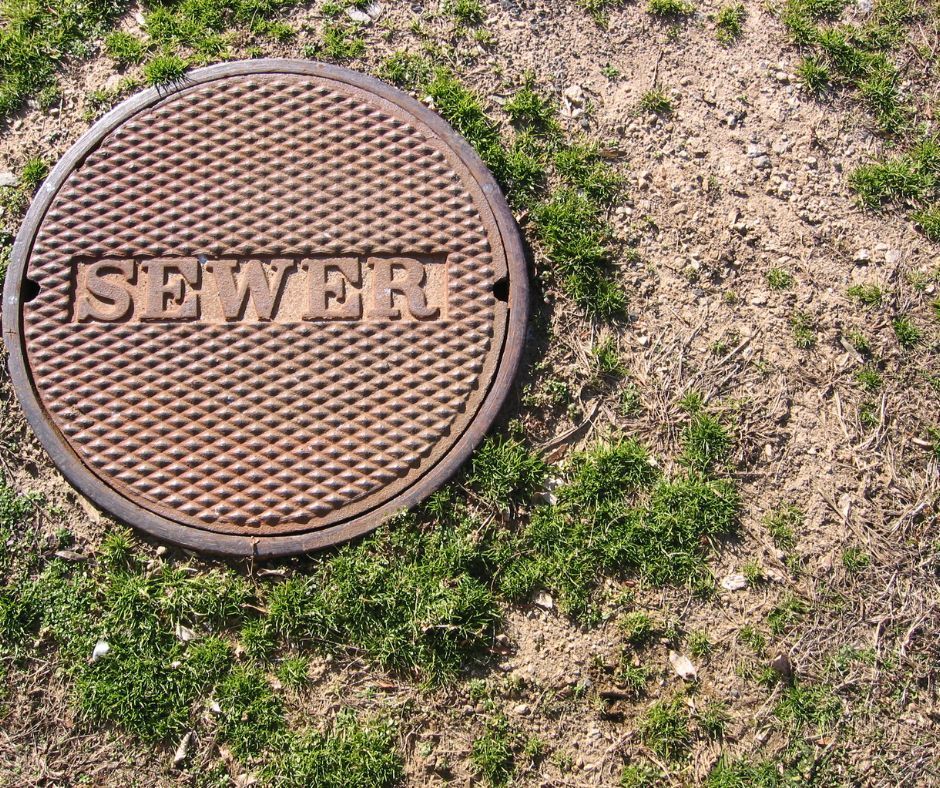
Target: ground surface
{"type": "Point", "coordinates": [775, 352]}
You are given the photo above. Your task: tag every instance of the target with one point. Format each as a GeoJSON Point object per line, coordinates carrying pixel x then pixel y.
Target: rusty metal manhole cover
{"type": "Point", "coordinates": [260, 312]}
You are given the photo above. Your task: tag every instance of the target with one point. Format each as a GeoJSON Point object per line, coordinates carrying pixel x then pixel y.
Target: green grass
{"type": "Point", "coordinates": [713, 719]}
{"type": "Point", "coordinates": [252, 716]}
{"type": "Point", "coordinates": [164, 69]}
{"type": "Point", "coordinates": [813, 74]}
{"type": "Point", "coordinates": [569, 223]}
{"type": "Point", "coordinates": [528, 109]}
{"type": "Point", "coordinates": [124, 48]}
{"type": "Point", "coordinates": [854, 559]}
{"type": "Point", "coordinates": [866, 294]}
{"type": "Point", "coordinates": [466, 12]}
{"type": "Point", "coordinates": [706, 443]}
{"type": "Point", "coordinates": [413, 599]}
{"type": "Point", "coordinates": [352, 754]}
{"type": "Point", "coordinates": [641, 775]}
{"type": "Point", "coordinates": [928, 222]}
{"type": "Point", "coordinates": [292, 672]}
{"type": "Point", "coordinates": [632, 677]}
{"type": "Point", "coordinates": [491, 754]}
{"type": "Point", "coordinates": [785, 614]}
{"type": "Point", "coordinates": [912, 176]}
{"type": "Point", "coordinates": [258, 640]}
{"type": "Point", "coordinates": [908, 335]}
{"type": "Point", "coordinates": [607, 359]}
{"type": "Point", "coordinates": [664, 728]}
{"type": "Point", "coordinates": [342, 42]}
{"type": "Point", "coordinates": [933, 438]}
{"type": "Point", "coordinates": [699, 644]}
{"type": "Point", "coordinates": [868, 62]}
{"type": "Point", "coordinates": [804, 330]}
{"type": "Point", "coordinates": [656, 102]}
{"type": "Point", "coordinates": [33, 173]}
{"type": "Point", "coordinates": [859, 341]}
{"type": "Point", "coordinates": [577, 239]}
{"type": "Point", "coordinates": [598, 9]}
{"type": "Point", "coordinates": [813, 706]}
{"type": "Point", "coordinates": [870, 379]}
{"type": "Point", "coordinates": [753, 572]}
{"type": "Point", "coordinates": [911, 179]}
{"type": "Point", "coordinates": [753, 638]}
{"type": "Point", "coordinates": [638, 628]}
{"type": "Point", "coordinates": [783, 524]}
{"type": "Point", "coordinates": [729, 22]}
{"type": "Point", "coordinates": [616, 514]}
{"type": "Point", "coordinates": [779, 279]}
{"type": "Point", "coordinates": [868, 414]}
{"type": "Point", "coordinates": [582, 167]}
{"type": "Point", "coordinates": [503, 471]}
{"type": "Point", "coordinates": [743, 773]}
{"type": "Point", "coordinates": [35, 38]}
{"type": "Point", "coordinates": [670, 9]}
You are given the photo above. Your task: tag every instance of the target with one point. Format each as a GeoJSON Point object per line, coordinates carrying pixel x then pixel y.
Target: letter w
{"type": "Point", "coordinates": [234, 296]}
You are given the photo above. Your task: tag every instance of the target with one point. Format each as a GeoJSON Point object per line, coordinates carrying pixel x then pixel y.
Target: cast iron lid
{"type": "Point", "coordinates": [261, 311]}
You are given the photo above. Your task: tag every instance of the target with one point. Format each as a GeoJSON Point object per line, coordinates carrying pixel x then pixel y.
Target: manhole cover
{"type": "Point", "coordinates": [261, 312]}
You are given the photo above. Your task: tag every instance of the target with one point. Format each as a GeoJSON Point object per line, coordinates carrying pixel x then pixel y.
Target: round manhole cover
{"type": "Point", "coordinates": [262, 311]}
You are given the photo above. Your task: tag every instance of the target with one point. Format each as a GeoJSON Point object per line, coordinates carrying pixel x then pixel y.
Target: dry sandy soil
{"type": "Point", "coordinates": [747, 175]}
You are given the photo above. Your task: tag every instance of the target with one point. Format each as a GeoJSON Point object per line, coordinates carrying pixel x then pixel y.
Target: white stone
{"type": "Point", "coordinates": [543, 600]}
{"type": "Point", "coordinates": [358, 16]}
{"type": "Point", "coordinates": [734, 582]}
{"type": "Point", "coordinates": [683, 666]}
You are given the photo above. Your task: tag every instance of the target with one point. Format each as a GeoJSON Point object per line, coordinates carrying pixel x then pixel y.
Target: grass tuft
{"type": "Point", "coordinates": [350, 755]}
{"type": "Point", "coordinates": [466, 12]}
{"type": "Point", "coordinates": [706, 443]}
{"type": "Point", "coordinates": [491, 754]}
{"type": "Point", "coordinates": [638, 628]}
{"type": "Point", "coordinates": [504, 471]}
{"type": "Point", "coordinates": [164, 69]}
{"type": "Point", "coordinates": [867, 294]}
{"type": "Point", "coordinates": [341, 42]}
{"type": "Point", "coordinates": [813, 705]}
{"type": "Point", "coordinates": [656, 102]}
{"type": "Point", "coordinates": [35, 38]}
{"type": "Point", "coordinates": [613, 515]}
{"type": "Point", "coordinates": [124, 48]}
{"type": "Point", "coordinates": [804, 330]}
{"type": "Point", "coordinates": [529, 110]}
{"type": "Point", "coordinates": [578, 241]}
{"type": "Point", "coordinates": [251, 718]}
{"type": "Point", "coordinates": [928, 222]}
{"type": "Point", "coordinates": [583, 168]}
{"type": "Point", "coordinates": [670, 9]}
{"type": "Point", "coordinates": [743, 773]}
{"type": "Point", "coordinates": [908, 335]}
{"type": "Point", "coordinates": [783, 524]}
{"type": "Point", "coordinates": [598, 9]}
{"type": "Point", "coordinates": [729, 22]}
{"type": "Point", "coordinates": [910, 177]}
{"type": "Point", "coordinates": [607, 359]}
{"type": "Point", "coordinates": [779, 279]}
{"type": "Point", "coordinates": [813, 74]}
{"type": "Point", "coordinates": [664, 728]}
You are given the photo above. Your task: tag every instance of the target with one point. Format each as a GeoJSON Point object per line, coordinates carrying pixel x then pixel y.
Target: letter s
{"type": "Point", "coordinates": [112, 300]}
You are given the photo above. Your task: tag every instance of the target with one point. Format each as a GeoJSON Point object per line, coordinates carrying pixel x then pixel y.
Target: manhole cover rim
{"type": "Point", "coordinates": [98, 490]}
